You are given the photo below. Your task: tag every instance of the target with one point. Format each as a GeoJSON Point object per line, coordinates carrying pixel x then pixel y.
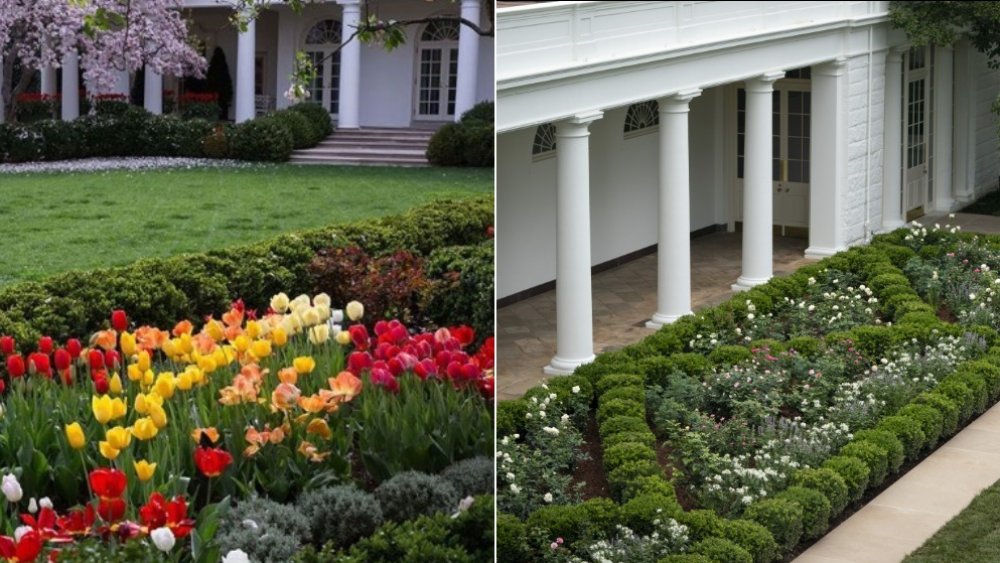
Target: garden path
{"type": "Point", "coordinates": [913, 508]}
{"type": "Point", "coordinates": [624, 298]}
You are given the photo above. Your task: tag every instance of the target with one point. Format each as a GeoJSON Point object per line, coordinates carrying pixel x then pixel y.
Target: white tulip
{"type": "Point", "coordinates": [46, 502]}
{"type": "Point", "coordinates": [163, 539]}
{"type": "Point", "coordinates": [32, 505]}
{"type": "Point", "coordinates": [355, 310]}
{"type": "Point", "coordinates": [11, 488]}
{"type": "Point", "coordinates": [236, 556]}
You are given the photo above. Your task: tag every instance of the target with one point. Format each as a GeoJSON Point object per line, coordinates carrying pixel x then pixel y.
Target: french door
{"type": "Point", "coordinates": [437, 82]}
{"type": "Point", "coordinates": [916, 131]}
{"type": "Point", "coordinates": [325, 88]}
{"type": "Point", "coordinates": [791, 105]}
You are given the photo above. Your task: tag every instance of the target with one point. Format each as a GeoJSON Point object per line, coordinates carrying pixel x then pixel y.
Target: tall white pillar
{"type": "Point", "coordinates": [287, 22]}
{"type": "Point", "coordinates": [70, 86]}
{"type": "Point", "coordinates": [892, 151]}
{"type": "Point", "coordinates": [121, 83]}
{"type": "Point", "coordinates": [348, 113]}
{"type": "Point", "coordinates": [48, 80]}
{"type": "Point", "coordinates": [153, 91]}
{"type": "Point", "coordinates": [468, 60]}
{"type": "Point", "coordinates": [673, 251]}
{"type": "Point", "coordinates": [246, 52]}
{"type": "Point", "coordinates": [757, 184]}
{"type": "Point", "coordinates": [964, 130]}
{"type": "Point", "coordinates": [942, 150]}
{"type": "Point", "coordinates": [827, 158]}
{"type": "Point", "coordinates": [3, 107]}
{"type": "Point", "coordinates": [574, 304]}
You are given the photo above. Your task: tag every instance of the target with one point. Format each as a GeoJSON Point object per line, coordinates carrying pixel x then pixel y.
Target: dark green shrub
{"type": "Point", "coordinates": [621, 477]}
{"type": "Point", "coordinates": [640, 511]}
{"type": "Point", "coordinates": [908, 431]}
{"type": "Point", "coordinates": [781, 517]}
{"type": "Point", "coordinates": [628, 452]}
{"type": "Point", "coordinates": [807, 346]}
{"type": "Point", "coordinates": [22, 144]}
{"type": "Point", "coordinates": [341, 515]}
{"type": "Point", "coordinates": [592, 519]}
{"type": "Point", "coordinates": [461, 281]}
{"type": "Point", "coordinates": [466, 143]}
{"type": "Point", "coordinates": [874, 457]}
{"type": "Point", "coordinates": [752, 537]}
{"type": "Point", "coordinates": [412, 493]}
{"type": "Point", "coordinates": [815, 509]}
{"type": "Point", "coordinates": [976, 384]}
{"type": "Point", "coordinates": [263, 139]}
{"type": "Point", "coordinates": [61, 138]}
{"type": "Point", "coordinates": [826, 481]}
{"type": "Point", "coordinates": [215, 143]}
{"type": "Point", "coordinates": [616, 380]}
{"type": "Point", "coordinates": [645, 438]}
{"type": "Point", "coordinates": [963, 397]}
{"type": "Point", "coordinates": [621, 424]}
{"type": "Point", "coordinates": [701, 523]}
{"type": "Point", "coordinates": [931, 421]}
{"type": "Point", "coordinates": [853, 471]}
{"type": "Point", "coordinates": [482, 112]}
{"type": "Point", "coordinates": [619, 407]}
{"type": "Point", "coordinates": [721, 551]}
{"type": "Point", "coordinates": [303, 134]}
{"type": "Point", "coordinates": [630, 394]}
{"type": "Point", "coordinates": [945, 406]}
{"type": "Point", "coordinates": [477, 149]}
{"type": "Point", "coordinates": [654, 485]}
{"type": "Point", "coordinates": [686, 558]}
{"type": "Point", "coordinates": [110, 104]}
{"type": "Point", "coordinates": [317, 116]}
{"type": "Point", "coordinates": [888, 441]}
{"type": "Point", "coordinates": [512, 539]}
{"type": "Point", "coordinates": [880, 282]}
{"type": "Point", "coordinates": [988, 372]}
{"type": "Point", "coordinates": [471, 477]}
{"type": "Point", "coordinates": [264, 529]}
{"type": "Point", "coordinates": [201, 109]}
{"type": "Point", "coordinates": [729, 355]}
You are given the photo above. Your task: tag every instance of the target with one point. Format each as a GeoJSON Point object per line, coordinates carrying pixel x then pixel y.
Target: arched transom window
{"type": "Point", "coordinates": [321, 43]}
{"type": "Point", "coordinates": [437, 60]}
{"type": "Point", "coordinates": [440, 30]}
{"type": "Point", "coordinates": [641, 118]}
{"type": "Point", "coordinates": [544, 144]}
{"type": "Point", "coordinates": [325, 32]}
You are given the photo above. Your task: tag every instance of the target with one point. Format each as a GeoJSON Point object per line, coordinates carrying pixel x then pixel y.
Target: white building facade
{"type": "Point", "coordinates": [624, 126]}
{"type": "Point", "coordinates": [442, 70]}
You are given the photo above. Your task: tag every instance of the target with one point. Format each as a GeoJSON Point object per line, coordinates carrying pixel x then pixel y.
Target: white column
{"type": "Point", "coordinates": [70, 86]}
{"type": "Point", "coordinates": [153, 91]}
{"type": "Point", "coordinates": [48, 80]}
{"type": "Point", "coordinates": [286, 57]}
{"type": "Point", "coordinates": [827, 158]}
{"type": "Point", "coordinates": [574, 304]}
{"type": "Point", "coordinates": [3, 108]}
{"type": "Point", "coordinates": [757, 184]}
{"type": "Point", "coordinates": [673, 250]}
{"type": "Point", "coordinates": [348, 113]}
{"type": "Point", "coordinates": [964, 130]}
{"type": "Point", "coordinates": [121, 82]}
{"type": "Point", "coordinates": [943, 104]}
{"type": "Point", "coordinates": [892, 149]}
{"type": "Point", "coordinates": [246, 51]}
{"type": "Point", "coordinates": [468, 60]}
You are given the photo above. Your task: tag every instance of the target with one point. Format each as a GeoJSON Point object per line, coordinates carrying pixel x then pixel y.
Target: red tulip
{"type": "Point", "coordinates": [119, 321]}
{"type": "Point", "coordinates": [45, 344]}
{"type": "Point", "coordinates": [108, 482]}
{"type": "Point", "coordinates": [39, 363]}
{"type": "Point", "coordinates": [62, 359]}
{"type": "Point", "coordinates": [111, 509]}
{"type": "Point", "coordinates": [26, 549]}
{"type": "Point", "coordinates": [464, 334]}
{"type": "Point", "coordinates": [15, 365]}
{"type": "Point", "coordinates": [486, 387]}
{"type": "Point", "coordinates": [96, 359]}
{"type": "Point", "coordinates": [358, 362]}
{"type": "Point", "coordinates": [74, 348]}
{"type": "Point", "coordinates": [112, 359]}
{"type": "Point", "coordinates": [158, 513]}
{"type": "Point", "coordinates": [77, 522]}
{"type": "Point", "coordinates": [212, 461]}
{"type": "Point", "coordinates": [7, 345]}
{"type": "Point", "coordinates": [45, 524]}
{"type": "Point", "coordinates": [359, 336]}
{"type": "Point", "coordinates": [101, 383]}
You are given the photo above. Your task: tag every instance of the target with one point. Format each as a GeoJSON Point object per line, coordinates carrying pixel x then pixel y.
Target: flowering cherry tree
{"type": "Point", "coordinates": [109, 35]}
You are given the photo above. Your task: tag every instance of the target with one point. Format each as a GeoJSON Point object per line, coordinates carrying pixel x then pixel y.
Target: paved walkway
{"type": "Point", "coordinates": [624, 299]}
{"type": "Point", "coordinates": [905, 515]}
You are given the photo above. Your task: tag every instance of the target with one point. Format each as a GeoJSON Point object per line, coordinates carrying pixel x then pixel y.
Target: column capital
{"type": "Point", "coordinates": [895, 54]}
{"type": "Point", "coordinates": [765, 82]}
{"type": "Point", "coordinates": [679, 102]}
{"type": "Point", "coordinates": [835, 67]}
{"type": "Point", "coordinates": [577, 125]}
{"type": "Point", "coordinates": [352, 3]}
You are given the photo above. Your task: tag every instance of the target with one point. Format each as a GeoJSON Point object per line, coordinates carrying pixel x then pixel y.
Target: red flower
{"type": "Point", "coordinates": [96, 359]}
{"type": "Point", "coordinates": [62, 359]}
{"type": "Point", "coordinates": [384, 378]}
{"type": "Point", "coordinates": [15, 365]}
{"type": "Point", "coordinates": [111, 509]}
{"type": "Point", "coordinates": [212, 461]}
{"type": "Point", "coordinates": [39, 363]}
{"type": "Point", "coordinates": [45, 524]}
{"type": "Point", "coordinates": [464, 334]}
{"type": "Point", "coordinates": [486, 387]}
{"type": "Point", "coordinates": [26, 549]}
{"type": "Point", "coordinates": [358, 362]}
{"type": "Point", "coordinates": [76, 522]}
{"type": "Point", "coordinates": [101, 383]}
{"type": "Point", "coordinates": [7, 345]}
{"type": "Point", "coordinates": [359, 336]}
{"type": "Point", "coordinates": [74, 348]}
{"type": "Point", "coordinates": [158, 513]}
{"type": "Point", "coordinates": [108, 482]}
{"type": "Point", "coordinates": [112, 359]}
{"type": "Point", "coordinates": [45, 344]}
{"type": "Point", "coordinates": [119, 321]}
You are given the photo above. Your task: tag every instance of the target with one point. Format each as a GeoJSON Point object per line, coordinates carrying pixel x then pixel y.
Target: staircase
{"type": "Point", "coordinates": [369, 147]}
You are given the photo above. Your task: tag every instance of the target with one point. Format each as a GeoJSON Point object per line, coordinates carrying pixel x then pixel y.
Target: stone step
{"type": "Point", "coordinates": [359, 150]}
{"type": "Point", "coordinates": [373, 143]}
{"type": "Point", "coordinates": [357, 161]}
{"type": "Point", "coordinates": [372, 147]}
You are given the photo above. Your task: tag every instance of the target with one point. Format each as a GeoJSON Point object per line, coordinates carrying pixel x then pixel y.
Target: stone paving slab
{"type": "Point", "coordinates": [905, 515]}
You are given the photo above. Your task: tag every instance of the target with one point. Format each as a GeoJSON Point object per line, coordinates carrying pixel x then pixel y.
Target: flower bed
{"type": "Point", "coordinates": [293, 432]}
{"type": "Point", "coordinates": [745, 430]}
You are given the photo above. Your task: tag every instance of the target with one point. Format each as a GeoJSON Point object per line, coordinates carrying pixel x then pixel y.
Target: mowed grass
{"type": "Point", "coordinates": [972, 536]}
{"type": "Point", "coordinates": [54, 222]}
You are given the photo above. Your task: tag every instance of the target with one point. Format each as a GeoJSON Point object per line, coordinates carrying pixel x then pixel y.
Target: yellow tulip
{"type": "Point", "coordinates": [118, 408]}
{"type": "Point", "coordinates": [343, 338]}
{"type": "Point", "coordinates": [324, 312]}
{"type": "Point", "coordinates": [118, 437]}
{"type": "Point", "coordinates": [279, 336]}
{"type": "Point", "coordinates": [253, 329]}
{"type": "Point", "coordinates": [164, 385]}
{"type": "Point", "coordinates": [261, 348]}
{"type": "Point", "coordinates": [127, 341]}
{"type": "Point", "coordinates": [319, 427]}
{"type": "Point", "coordinates": [74, 435]}
{"type": "Point", "coordinates": [184, 381]}
{"type": "Point", "coordinates": [241, 343]}
{"type": "Point", "coordinates": [102, 407]}
{"type": "Point", "coordinates": [158, 415]}
{"type": "Point", "coordinates": [108, 451]}
{"type": "Point", "coordinates": [279, 303]}
{"type": "Point", "coordinates": [223, 356]}
{"type": "Point", "coordinates": [322, 300]}
{"type": "Point", "coordinates": [144, 470]}
{"type": "Point", "coordinates": [144, 428]}
{"type": "Point", "coordinates": [171, 348]}
{"type": "Point", "coordinates": [319, 334]}
{"type": "Point", "coordinates": [355, 310]}
{"type": "Point", "coordinates": [141, 406]}
{"type": "Point", "coordinates": [299, 302]}
{"type": "Point", "coordinates": [197, 376]}
{"type": "Point", "coordinates": [310, 316]}
{"type": "Point", "coordinates": [148, 377]}
{"type": "Point", "coordinates": [304, 364]}
{"type": "Point", "coordinates": [187, 345]}
{"type": "Point", "coordinates": [115, 385]}
{"type": "Point", "coordinates": [154, 398]}
{"type": "Point", "coordinates": [145, 362]}
{"type": "Point", "coordinates": [215, 330]}
{"type": "Point", "coordinates": [134, 372]}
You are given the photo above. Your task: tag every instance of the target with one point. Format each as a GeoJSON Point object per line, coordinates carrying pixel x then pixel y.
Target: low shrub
{"type": "Point", "coordinates": [471, 477]}
{"type": "Point", "coordinates": [512, 539]}
{"type": "Point", "coordinates": [410, 494]}
{"type": "Point", "coordinates": [628, 452]}
{"type": "Point", "coordinates": [701, 523]}
{"type": "Point", "coordinates": [645, 438]}
{"type": "Point", "coordinates": [303, 134]}
{"type": "Point", "coordinates": [264, 529]}
{"type": "Point", "coordinates": [945, 406]}
{"type": "Point", "coordinates": [640, 511]}
{"type": "Point", "coordinates": [317, 116]}
{"type": "Point", "coordinates": [908, 431]}
{"type": "Point", "coordinates": [510, 417]}
{"type": "Point", "coordinates": [874, 457]}
{"type": "Point", "coordinates": [721, 551]}
{"type": "Point", "coordinates": [815, 509]}
{"type": "Point", "coordinates": [895, 453]}
{"type": "Point", "coordinates": [729, 355]}
{"type": "Point", "coordinates": [753, 537]}
{"type": "Point", "coordinates": [963, 397]}
{"type": "Point", "coordinates": [264, 139]}
{"type": "Point", "coordinates": [589, 520]}
{"type": "Point", "coordinates": [931, 421]}
{"type": "Point", "coordinates": [616, 380]}
{"type": "Point", "coordinates": [621, 477]}
{"type": "Point", "coordinates": [466, 143]}
{"type": "Point", "coordinates": [686, 558]}
{"type": "Point", "coordinates": [783, 518]}
{"type": "Point", "coordinates": [976, 384]}
{"type": "Point", "coordinates": [854, 472]}
{"type": "Point", "coordinates": [619, 407]}
{"type": "Point", "coordinates": [461, 281]}
{"type": "Point", "coordinates": [826, 481]}
{"type": "Point", "coordinates": [807, 346]}
{"type": "Point", "coordinates": [340, 515]}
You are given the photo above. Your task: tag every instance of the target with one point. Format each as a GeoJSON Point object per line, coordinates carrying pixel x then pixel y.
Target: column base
{"type": "Point", "coordinates": [889, 226]}
{"type": "Point", "coordinates": [944, 206]}
{"type": "Point", "coordinates": [659, 319]}
{"type": "Point", "coordinates": [820, 252]}
{"type": "Point", "coordinates": [562, 366]}
{"type": "Point", "coordinates": [744, 283]}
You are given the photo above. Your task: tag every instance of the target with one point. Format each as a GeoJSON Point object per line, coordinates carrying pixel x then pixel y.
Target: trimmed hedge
{"type": "Point", "coordinates": [466, 143]}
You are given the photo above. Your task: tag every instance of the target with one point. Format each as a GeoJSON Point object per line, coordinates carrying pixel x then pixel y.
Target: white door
{"type": "Point", "coordinates": [916, 131]}
{"type": "Point", "coordinates": [791, 108]}
{"type": "Point", "coordinates": [321, 43]}
{"type": "Point", "coordinates": [437, 71]}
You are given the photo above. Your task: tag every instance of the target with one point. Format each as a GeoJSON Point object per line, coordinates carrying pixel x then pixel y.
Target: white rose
{"type": "Point", "coordinates": [547, 497]}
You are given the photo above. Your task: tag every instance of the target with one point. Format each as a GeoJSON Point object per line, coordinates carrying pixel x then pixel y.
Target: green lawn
{"type": "Point", "coordinates": [972, 536]}
{"type": "Point", "coordinates": [53, 222]}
